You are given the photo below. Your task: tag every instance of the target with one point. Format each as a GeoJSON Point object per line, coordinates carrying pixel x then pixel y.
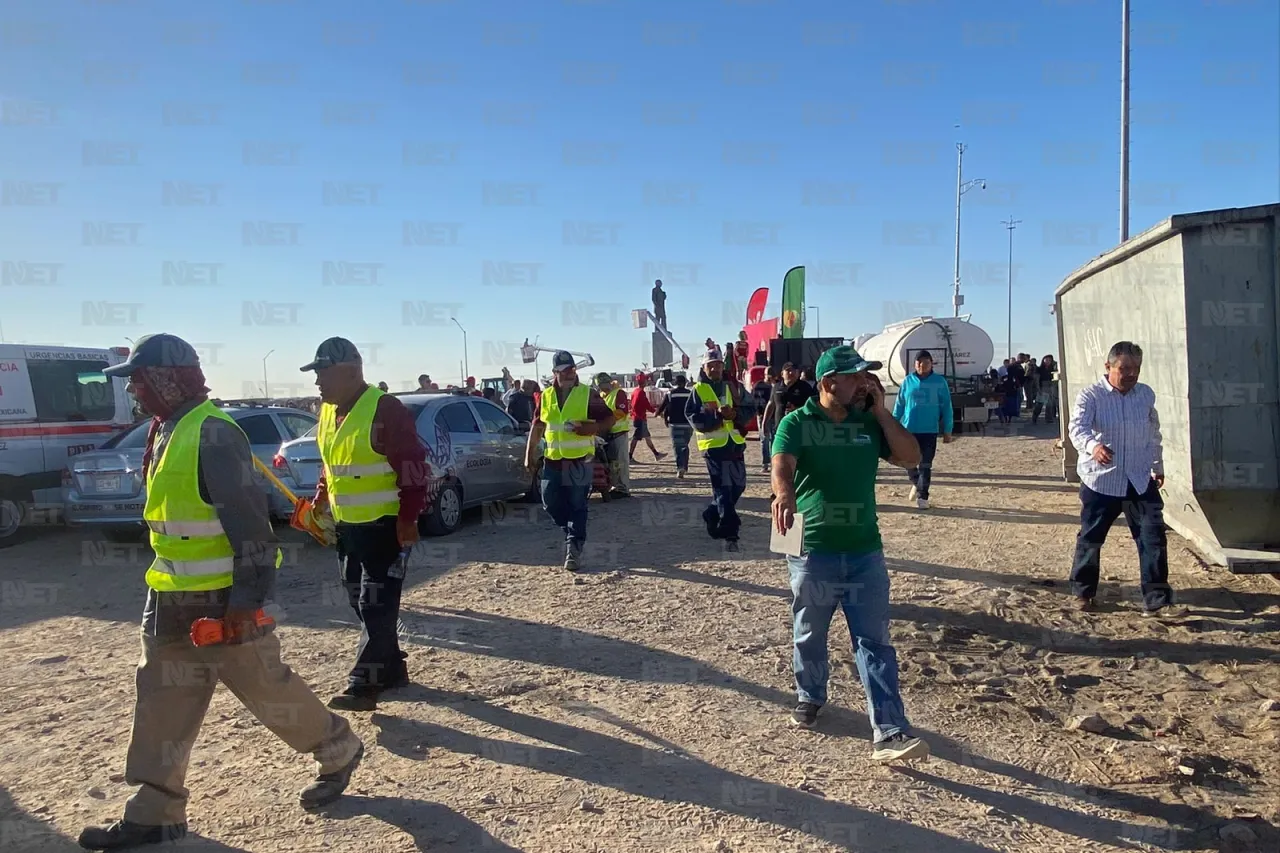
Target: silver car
{"type": "Point", "coordinates": [104, 487]}
{"type": "Point", "coordinates": [475, 453]}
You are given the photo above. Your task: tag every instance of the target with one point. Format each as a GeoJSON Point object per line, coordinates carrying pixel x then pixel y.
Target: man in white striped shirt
{"type": "Point", "coordinates": [1116, 430]}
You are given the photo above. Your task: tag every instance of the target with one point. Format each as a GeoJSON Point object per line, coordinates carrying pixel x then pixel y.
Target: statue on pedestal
{"type": "Point", "coordinates": [659, 303]}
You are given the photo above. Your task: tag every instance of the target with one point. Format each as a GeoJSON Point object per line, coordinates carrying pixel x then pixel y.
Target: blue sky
{"type": "Point", "coordinates": [716, 144]}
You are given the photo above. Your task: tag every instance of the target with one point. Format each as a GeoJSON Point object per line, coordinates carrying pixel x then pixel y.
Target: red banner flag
{"type": "Point", "coordinates": [755, 306]}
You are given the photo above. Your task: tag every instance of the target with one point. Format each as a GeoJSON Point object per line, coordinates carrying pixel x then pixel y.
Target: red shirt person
{"type": "Point", "coordinates": [641, 408]}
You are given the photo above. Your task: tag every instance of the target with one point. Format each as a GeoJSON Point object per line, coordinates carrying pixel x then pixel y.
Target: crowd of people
{"type": "Point", "coordinates": [823, 439]}
{"type": "Point", "coordinates": [1026, 385]}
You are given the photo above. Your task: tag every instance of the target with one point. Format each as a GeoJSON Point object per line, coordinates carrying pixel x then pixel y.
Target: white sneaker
{"type": "Point", "coordinates": [911, 495]}
{"type": "Point", "coordinates": [922, 503]}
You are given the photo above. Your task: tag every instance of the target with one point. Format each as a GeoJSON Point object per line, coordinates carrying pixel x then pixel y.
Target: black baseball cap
{"type": "Point", "coordinates": [334, 351]}
{"type": "Point", "coordinates": [561, 361]}
{"type": "Point", "coordinates": [924, 355]}
{"type": "Point", "coordinates": [160, 350]}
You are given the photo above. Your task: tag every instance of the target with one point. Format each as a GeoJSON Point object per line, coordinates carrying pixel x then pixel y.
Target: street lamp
{"type": "Point", "coordinates": [466, 365]}
{"type": "Point", "coordinates": [1010, 224]}
{"type": "Point", "coordinates": [817, 319]}
{"type": "Point", "coordinates": [962, 187]}
{"type": "Point", "coordinates": [266, 393]}
{"type": "Point", "coordinates": [1124, 120]}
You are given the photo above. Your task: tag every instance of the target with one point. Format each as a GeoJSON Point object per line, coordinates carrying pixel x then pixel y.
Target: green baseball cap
{"type": "Point", "coordinates": [843, 360]}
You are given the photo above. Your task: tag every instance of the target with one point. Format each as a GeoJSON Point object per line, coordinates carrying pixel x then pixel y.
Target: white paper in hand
{"type": "Point", "coordinates": [791, 543]}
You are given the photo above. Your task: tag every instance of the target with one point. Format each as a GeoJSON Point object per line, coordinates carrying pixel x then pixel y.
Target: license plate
{"type": "Point", "coordinates": [106, 485]}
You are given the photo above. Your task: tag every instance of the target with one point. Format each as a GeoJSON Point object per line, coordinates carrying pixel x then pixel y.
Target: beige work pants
{"type": "Point", "coordinates": [175, 682]}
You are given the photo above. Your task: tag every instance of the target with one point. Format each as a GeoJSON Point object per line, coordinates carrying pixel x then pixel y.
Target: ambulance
{"type": "Point", "coordinates": [55, 402]}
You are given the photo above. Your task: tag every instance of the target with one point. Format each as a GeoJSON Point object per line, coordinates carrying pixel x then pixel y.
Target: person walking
{"type": "Point", "coordinates": [719, 409]}
{"type": "Point", "coordinates": [761, 394]}
{"type": "Point", "coordinates": [374, 480]}
{"type": "Point", "coordinates": [789, 394]}
{"type": "Point", "coordinates": [1047, 396]}
{"type": "Point", "coordinates": [616, 450]}
{"type": "Point", "coordinates": [674, 412]}
{"type": "Point", "coordinates": [1115, 429]}
{"type": "Point", "coordinates": [640, 409]}
{"type": "Point", "coordinates": [571, 416]}
{"type": "Point", "coordinates": [923, 407]}
{"type": "Point", "coordinates": [216, 557]}
{"type": "Point", "coordinates": [826, 455]}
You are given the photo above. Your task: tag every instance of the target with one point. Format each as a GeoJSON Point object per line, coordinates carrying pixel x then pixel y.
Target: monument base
{"type": "Point", "coordinates": [662, 352]}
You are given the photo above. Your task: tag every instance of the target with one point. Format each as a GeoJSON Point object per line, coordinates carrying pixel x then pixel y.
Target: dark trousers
{"type": "Point", "coordinates": [728, 482]}
{"type": "Point", "coordinates": [680, 435]}
{"type": "Point", "coordinates": [368, 558]}
{"type": "Point", "coordinates": [1145, 514]}
{"type": "Point", "coordinates": [922, 475]}
{"type": "Point", "coordinates": [565, 490]}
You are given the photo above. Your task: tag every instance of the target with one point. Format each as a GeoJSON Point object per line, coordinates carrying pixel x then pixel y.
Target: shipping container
{"type": "Point", "coordinates": [1200, 293]}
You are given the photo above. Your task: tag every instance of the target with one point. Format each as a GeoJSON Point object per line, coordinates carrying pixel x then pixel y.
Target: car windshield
{"type": "Point", "coordinates": [134, 437]}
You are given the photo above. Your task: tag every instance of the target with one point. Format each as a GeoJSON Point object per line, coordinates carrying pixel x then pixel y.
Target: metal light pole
{"type": "Point", "coordinates": [265, 392]}
{"type": "Point", "coordinates": [1124, 120]}
{"type": "Point", "coordinates": [1010, 224]}
{"type": "Point", "coordinates": [466, 368]}
{"type": "Point", "coordinates": [817, 319]}
{"type": "Point", "coordinates": [962, 187]}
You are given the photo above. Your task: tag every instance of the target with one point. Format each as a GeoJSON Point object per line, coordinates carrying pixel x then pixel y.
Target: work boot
{"type": "Point", "coordinates": [124, 834]}
{"type": "Point", "coordinates": [572, 557]}
{"type": "Point", "coordinates": [356, 699]}
{"type": "Point", "coordinates": [329, 786]}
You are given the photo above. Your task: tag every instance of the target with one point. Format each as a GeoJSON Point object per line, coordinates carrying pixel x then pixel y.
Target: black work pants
{"type": "Point", "coordinates": [1145, 513]}
{"type": "Point", "coordinates": [368, 558]}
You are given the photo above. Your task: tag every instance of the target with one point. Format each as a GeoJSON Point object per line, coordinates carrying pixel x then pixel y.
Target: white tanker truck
{"type": "Point", "coordinates": [961, 352]}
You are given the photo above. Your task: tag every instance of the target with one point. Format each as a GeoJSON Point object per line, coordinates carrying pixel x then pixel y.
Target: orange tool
{"type": "Point", "coordinates": [212, 632]}
{"type": "Point", "coordinates": [306, 517]}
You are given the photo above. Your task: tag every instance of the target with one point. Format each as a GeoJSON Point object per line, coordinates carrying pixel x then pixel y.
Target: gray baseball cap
{"type": "Point", "coordinates": [562, 361]}
{"type": "Point", "coordinates": [334, 351]}
{"type": "Point", "coordinates": [159, 350]}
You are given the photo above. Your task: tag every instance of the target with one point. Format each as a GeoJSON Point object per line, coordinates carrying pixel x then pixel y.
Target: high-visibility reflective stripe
{"type": "Point", "coordinates": [712, 436]}
{"type": "Point", "coordinates": [193, 568]}
{"type": "Point", "coordinates": [364, 499]}
{"type": "Point", "coordinates": [187, 528]}
{"type": "Point", "coordinates": [362, 470]}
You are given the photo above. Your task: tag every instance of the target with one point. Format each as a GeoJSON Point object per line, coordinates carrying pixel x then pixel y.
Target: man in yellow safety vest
{"type": "Point", "coordinates": [616, 449]}
{"type": "Point", "coordinates": [720, 409]}
{"type": "Point", "coordinates": [374, 481]}
{"type": "Point", "coordinates": [216, 557]}
{"type": "Point", "coordinates": [570, 416]}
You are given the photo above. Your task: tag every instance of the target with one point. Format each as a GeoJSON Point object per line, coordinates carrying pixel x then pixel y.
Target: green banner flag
{"type": "Point", "coordinates": [793, 303]}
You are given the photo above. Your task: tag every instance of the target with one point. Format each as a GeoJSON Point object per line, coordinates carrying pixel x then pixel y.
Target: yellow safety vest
{"type": "Point", "coordinates": [623, 422]}
{"type": "Point", "coordinates": [562, 441]}
{"type": "Point", "coordinates": [360, 481]}
{"type": "Point", "coordinates": [193, 553]}
{"type": "Point", "coordinates": [725, 432]}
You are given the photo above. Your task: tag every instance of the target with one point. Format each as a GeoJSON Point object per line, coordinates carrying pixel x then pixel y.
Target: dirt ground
{"type": "Point", "coordinates": [643, 705]}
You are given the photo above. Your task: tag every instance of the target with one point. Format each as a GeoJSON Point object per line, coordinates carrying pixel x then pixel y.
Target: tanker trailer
{"type": "Point", "coordinates": [1199, 293]}
{"type": "Point", "coordinates": [961, 351]}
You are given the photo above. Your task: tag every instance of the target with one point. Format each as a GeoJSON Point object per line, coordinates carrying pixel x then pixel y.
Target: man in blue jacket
{"type": "Point", "coordinates": [924, 405]}
{"type": "Point", "coordinates": [719, 410]}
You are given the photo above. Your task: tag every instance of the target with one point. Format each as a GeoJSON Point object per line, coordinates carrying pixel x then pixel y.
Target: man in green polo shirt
{"type": "Point", "coordinates": [826, 454]}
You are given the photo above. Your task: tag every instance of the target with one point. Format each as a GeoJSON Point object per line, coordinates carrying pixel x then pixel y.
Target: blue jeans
{"type": "Point", "coordinates": [728, 482]}
{"type": "Point", "coordinates": [858, 585]}
{"type": "Point", "coordinates": [1145, 514]}
{"type": "Point", "coordinates": [922, 475]}
{"type": "Point", "coordinates": [766, 444]}
{"type": "Point", "coordinates": [565, 489]}
{"type": "Point", "coordinates": [680, 435]}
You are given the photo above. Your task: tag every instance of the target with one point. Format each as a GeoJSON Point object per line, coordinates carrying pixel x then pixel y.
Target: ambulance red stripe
{"type": "Point", "coordinates": [29, 431]}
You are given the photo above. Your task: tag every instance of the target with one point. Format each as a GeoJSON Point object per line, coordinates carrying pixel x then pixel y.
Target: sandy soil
{"type": "Point", "coordinates": [642, 706]}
